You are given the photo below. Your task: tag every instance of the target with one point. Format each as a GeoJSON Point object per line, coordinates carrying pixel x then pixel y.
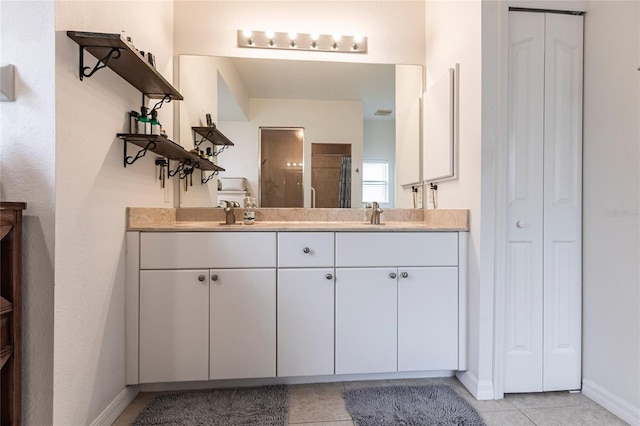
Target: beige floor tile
{"type": "Point", "coordinates": [573, 416]}
{"type": "Point", "coordinates": [338, 423]}
{"type": "Point", "coordinates": [506, 418]}
{"type": "Point", "coordinates": [548, 400]}
{"type": "Point", "coordinates": [321, 402]}
{"type": "Point", "coordinates": [131, 412]}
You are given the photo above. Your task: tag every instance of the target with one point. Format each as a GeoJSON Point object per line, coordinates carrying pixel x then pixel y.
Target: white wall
{"type": "Point", "coordinates": [453, 35]}
{"type": "Point", "coordinates": [27, 167]}
{"type": "Point", "coordinates": [323, 122]}
{"type": "Point", "coordinates": [395, 29]}
{"type": "Point", "coordinates": [611, 228]}
{"type": "Point", "coordinates": [379, 144]}
{"type": "Point", "coordinates": [92, 191]}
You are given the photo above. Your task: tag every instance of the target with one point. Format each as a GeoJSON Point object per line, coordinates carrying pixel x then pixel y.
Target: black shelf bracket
{"type": "Point", "coordinates": [114, 53]}
{"type": "Point", "coordinates": [204, 180]}
{"type": "Point", "coordinates": [184, 169]}
{"type": "Point", "coordinates": [222, 148]}
{"type": "Point", "coordinates": [166, 98]}
{"type": "Point", "coordinates": [130, 160]}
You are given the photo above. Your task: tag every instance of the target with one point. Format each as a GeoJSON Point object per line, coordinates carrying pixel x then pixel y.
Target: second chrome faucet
{"type": "Point", "coordinates": [375, 213]}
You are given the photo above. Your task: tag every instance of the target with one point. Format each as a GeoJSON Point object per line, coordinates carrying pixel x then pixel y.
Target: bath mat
{"type": "Point", "coordinates": [410, 406]}
{"type": "Point", "coordinates": [264, 406]}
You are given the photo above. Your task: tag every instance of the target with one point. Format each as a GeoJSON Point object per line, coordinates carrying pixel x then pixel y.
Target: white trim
{"type": "Point", "coordinates": [132, 306]}
{"type": "Point", "coordinates": [561, 5]}
{"type": "Point", "coordinates": [463, 279]}
{"type": "Point", "coordinates": [611, 402]}
{"type": "Point", "coordinates": [480, 389]}
{"type": "Point", "coordinates": [116, 407]}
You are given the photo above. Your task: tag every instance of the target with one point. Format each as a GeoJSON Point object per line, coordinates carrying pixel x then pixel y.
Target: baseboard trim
{"type": "Point", "coordinates": [480, 389]}
{"type": "Point", "coordinates": [116, 407]}
{"type": "Point", "coordinates": [611, 402]}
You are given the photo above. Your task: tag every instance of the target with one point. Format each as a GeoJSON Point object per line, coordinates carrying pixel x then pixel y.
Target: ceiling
{"type": "Point", "coordinates": [372, 84]}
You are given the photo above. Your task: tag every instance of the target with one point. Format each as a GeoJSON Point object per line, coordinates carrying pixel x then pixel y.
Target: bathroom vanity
{"type": "Point", "coordinates": [286, 299]}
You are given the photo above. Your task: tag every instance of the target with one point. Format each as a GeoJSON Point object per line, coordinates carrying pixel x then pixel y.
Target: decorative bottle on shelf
{"type": "Point", "coordinates": [249, 213]}
{"type": "Point", "coordinates": [209, 154]}
{"type": "Point", "coordinates": [154, 123]}
{"type": "Point", "coordinates": [144, 124]}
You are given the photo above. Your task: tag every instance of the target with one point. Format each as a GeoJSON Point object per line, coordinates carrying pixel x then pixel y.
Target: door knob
{"type": "Point", "coordinates": [200, 278]}
{"type": "Point", "coordinates": [214, 277]}
{"type": "Point", "coordinates": [306, 250]}
{"type": "Point", "coordinates": [392, 275]}
{"type": "Point", "coordinates": [520, 224]}
{"type": "Point", "coordinates": [404, 275]}
{"type": "Point", "coordinates": [329, 276]}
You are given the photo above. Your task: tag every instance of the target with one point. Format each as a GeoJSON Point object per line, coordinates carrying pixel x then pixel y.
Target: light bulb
{"type": "Point", "coordinates": [315, 36]}
{"type": "Point", "coordinates": [337, 37]}
{"type": "Point", "coordinates": [292, 35]}
{"type": "Point", "coordinates": [247, 32]}
{"type": "Point", "coordinates": [269, 34]}
{"type": "Point", "coordinates": [357, 38]}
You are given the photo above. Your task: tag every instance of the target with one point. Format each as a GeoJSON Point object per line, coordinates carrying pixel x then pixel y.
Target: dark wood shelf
{"type": "Point", "coordinates": [129, 65]}
{"type": "Point", "coordinates": [168, 149]}
{"type": "Point", "coordinates": [213, 135]}
{"type": "Point", "coordinates": [6, 307]}
{"type": "Point", "coordinates": [5, 354]}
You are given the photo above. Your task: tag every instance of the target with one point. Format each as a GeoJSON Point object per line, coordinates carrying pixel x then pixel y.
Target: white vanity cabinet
{"type": "Point", "coordinates": [305, 303]}
{"type": "Point", "coordinates": [225, 305]}
{"type": "Point", "coordinates": [206, 306]}
{"type": "Point", "coordinates": [397, 302]}
{"type": "Point", "coordinates": [174, 326]}
{"type": "Point", "coordinates": [243, 323]}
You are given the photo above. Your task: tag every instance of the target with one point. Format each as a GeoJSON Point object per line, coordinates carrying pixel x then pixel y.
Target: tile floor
{"type": "Point", "coordinates": [322, 405]}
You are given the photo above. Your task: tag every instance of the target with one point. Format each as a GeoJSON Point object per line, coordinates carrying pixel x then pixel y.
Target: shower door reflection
{"type": "Point", "coordinates": [281, 167]}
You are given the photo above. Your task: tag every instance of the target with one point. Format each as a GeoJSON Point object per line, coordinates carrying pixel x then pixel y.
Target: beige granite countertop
{"type": "Point", "coordinates": [295, 219]}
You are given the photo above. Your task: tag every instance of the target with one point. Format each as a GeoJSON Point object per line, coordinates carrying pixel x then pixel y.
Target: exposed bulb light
{"type": "Point", "coordinates": [335, 42]}
{"type": "Point", "coordinates": [336, 39]}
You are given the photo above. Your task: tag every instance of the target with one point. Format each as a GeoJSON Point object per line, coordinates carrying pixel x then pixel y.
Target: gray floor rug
{"type": "Point", "coordinates": [410, 406]}
{"type": "Point", "coordinates": [263, 406]}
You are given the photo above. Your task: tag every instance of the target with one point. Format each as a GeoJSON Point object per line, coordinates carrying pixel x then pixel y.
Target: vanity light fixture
{"type": "Point", "coordinates": [292, 40]}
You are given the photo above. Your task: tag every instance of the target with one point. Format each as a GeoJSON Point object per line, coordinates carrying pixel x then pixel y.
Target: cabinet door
{"type": "Point", "coordinates": [305, 322]}
{"type": "Point", "coordinates": [366, 320]}
{"type": "Point", "coordinates": [427, 319]}
{"type": "Point", "coordinates": [243, 323]}
{"type": "Point", "coordinates": [174, 326]}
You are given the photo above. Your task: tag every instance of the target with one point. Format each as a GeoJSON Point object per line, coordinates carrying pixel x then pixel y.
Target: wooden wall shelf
{"type": "Point", "coordinates": [212, 135]}
{"type": "Point", "coordinates": [166, 148]}
{"type": "Point", "coordinates": [119, 55]}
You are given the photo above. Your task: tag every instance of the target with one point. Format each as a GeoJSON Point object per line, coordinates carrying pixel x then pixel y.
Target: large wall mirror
{"type": "Point", "coordinates": [349, 113]}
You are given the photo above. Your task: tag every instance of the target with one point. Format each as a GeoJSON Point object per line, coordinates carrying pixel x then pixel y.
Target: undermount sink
{"type": "Point", "coordinates": [230, 224]}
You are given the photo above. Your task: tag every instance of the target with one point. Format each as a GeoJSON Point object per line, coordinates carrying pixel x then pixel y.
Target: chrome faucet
{"type": "Point", "coordinates": [375, 213]}
{"type": "Point", "coordinates": [230, 217]}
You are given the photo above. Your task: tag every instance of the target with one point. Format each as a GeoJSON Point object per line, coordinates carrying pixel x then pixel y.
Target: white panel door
{"type": "Point", "coordinates": [563, 202]}
{"type": "Point", "coordinates": [305, 322]}
{"type": "Point", "coordinates": [543, 289]}
{"type": "Point", "coordinates": [427, 319]}
{"type": "Point", "coordinates": [366, 320]}
{"type": "Point", "coordinates": [174, 326]}
{"type": "Point", "coordinates": [243, 323]}
{"type": "Point", "coordinates": [523, 339]}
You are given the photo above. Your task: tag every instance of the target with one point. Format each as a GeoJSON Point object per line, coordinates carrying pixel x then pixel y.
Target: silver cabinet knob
{"type": "Point", "coordinates": [214, 277]}
{"type": "Point", "coordinates": [392, 275]}
{"type": "Point", "coordinates": [404, 275]}
{"type": "Point", "coordinates": [520, 224]}
{"type": "Point", "coordinates": [306, 250]}
{"type": "Point", "coordinates": [329, 276]}
{"type": "Point", "coordinates": [201, 278]}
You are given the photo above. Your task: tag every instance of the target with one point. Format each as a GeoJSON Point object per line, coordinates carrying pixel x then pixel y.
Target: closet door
{"type": "Point", "coordinates": [562, 202]}
{"type": "Point", "coordinates": [523, 340]}
{"type": "Point", "coordinates": [543, 293]}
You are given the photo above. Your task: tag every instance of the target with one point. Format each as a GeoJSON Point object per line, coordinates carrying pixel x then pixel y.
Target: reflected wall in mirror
{"type": "Point", "coordinates": [281, 167]}
{"type": "Point", "coordinates": [334, 102]}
